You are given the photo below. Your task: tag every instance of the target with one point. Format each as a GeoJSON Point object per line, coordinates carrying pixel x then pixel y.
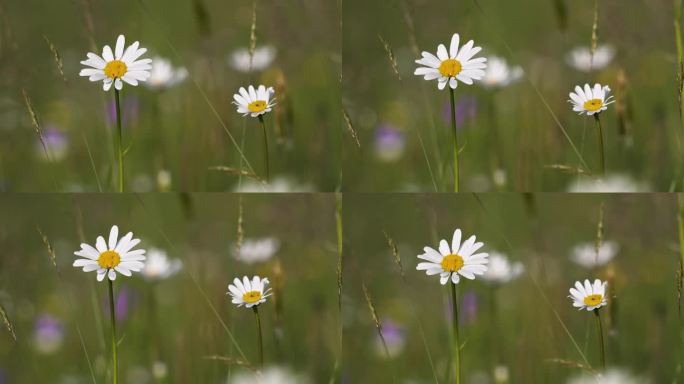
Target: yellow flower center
{"type": "Point", "coordinates": [593, 300]}
{"type": "Point", "coordinates": [115, 69]}
{"type": "Point", "coordinates": [450, 68]}
{"type": "Point", "coordinates": [452, 263]}
{"type": "Point", "coordinates": [251, 297]}
{"type": "Point", "coordinates": [257, 106]}
{"type": "Point", "coordinates": [108, 259]}
{"type": "Point", "coordinates": [593, 105]}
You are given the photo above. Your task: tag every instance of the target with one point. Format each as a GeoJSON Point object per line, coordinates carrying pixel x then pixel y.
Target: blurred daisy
{"type": "Point", "coordinates": [590, 100]}
{"type": "Point", "coordinates": [585, 254]}
{"type": "Point", "coordinates": [279, 184]}
{"type": "Point", "coordinates": [610, 376]}
{"type": "Point", "coordinates": [459, 260]}
{"type": "Point", "coordinates": [580, 58]}
{"type": "Point", "coordinates": [498, 74]}
{"type": "Point", "coordinates": [113, 67]}
{"type": "Point", "coordinates": [163, 75]}
{"type": "Point", "coordinates": [613, 183]}
{"type": "Point", "coordinates": [256, 250]}
{"type": "Point", "coordinates": [589, 296]}
{"type": "Point", "coordinates": [159, 267]}
{"type": "Point", "coordinates": [254, 102]}
{"type": "Point", "coordinates": [109, 258]}
{"type": "Point", "coordinates": [454, 65]}
{"type": "Point", "coordinates": [262, 58]}
{"type": "Point", "coordinates": [501, 270]}
{"type": "Point", "coordinates": [249, 293]}
{"type": "Point", "coordinates": [269, 375]}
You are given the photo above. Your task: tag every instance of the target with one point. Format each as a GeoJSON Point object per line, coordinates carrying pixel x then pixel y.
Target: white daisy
{"type": "Point", "coordinates": [256, 250]}
{"type": "Point", "coordinates": [590, 100]}
{"type": "Point", "coordinates": [113, 67]}
{"type": "Point", "coordinates": [254, 102]}
{"type": "Point", "coordinates": [501, 270]}
{"type": "Point", "coordinates": [612, 183]}
{"type": "Point", "coordinates": [262, 58]}
{"type": "Point", "coordinates": [454, 65]}
{"type": "Point", "coordinates": [163, 75]}
{"type": "Point", "coordinates": [580, 58]}
{"type": "Point", "coordinates": [459, 260]}
{"type": "Point", "coordinates": [117, 255]}
{"type": "Point", "coordinates": [589, 296]}
{"type": "Point", "coordinates": [498, 74]}
{"type": "Point", "coordinates": [249, 293]}
{"type": "Point", "coordinates": [585, 254]}
{"type": "Point", "coordinates": [159, 267]}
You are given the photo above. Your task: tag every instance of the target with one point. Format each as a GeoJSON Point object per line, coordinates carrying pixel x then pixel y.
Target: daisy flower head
{"type": "Point", "coordinates": [501, 270]}
{"type": "Point", "coordinates": [249, 292]}
{"type": "Point", "coordinates": [499, 74]}
{"type": "Point", "coordinates": [590, 100]}
{"type": "Point", "coordinates": [585, 254]}
{"type": "Point", "coordinates": [254, 102]}
{"type": "Point", "coordinates": [452, 262]}
{"type": "Point", "coordinates": [108, 258]}
{"type": "Point", "coordinates": [159, 266]}
{"type": "Point", "coordinates": [241, 61]}
{"type": "Point", "coordinates": [589, 296]}
{"type": "Point", "coordinates": [581, 59]}
{"type": "Point", "coordinates": [456, 64]}
{"type": "Point", "coordinates": [117, 66]}
{"type": "Point", "coordinates": [163, 75]}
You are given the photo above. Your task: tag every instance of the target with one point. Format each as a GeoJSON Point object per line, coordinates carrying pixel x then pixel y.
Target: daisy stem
{"type": "Point", "coordinates": [453, 128]}
{"type": "Point", "coordinates": [599, 132]}
{"type": "Point", "coordinates": [263, 127]}
{"type": "Point", "coordinates": [599, 333]}
{"type": "Point", "coordinates": [119, 140]}
{"type": "Point", "coordinates": [115, 366]}
{"type": "Point", "coordinates": [260, 340]}
{"type": "Point", "coordinates": [457, 344]}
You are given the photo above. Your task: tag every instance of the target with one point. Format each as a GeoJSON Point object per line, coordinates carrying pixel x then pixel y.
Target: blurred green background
{"type": "Point", "coordinates": [174, 131]}
{"type": "Point", "coordinates": [509, 139]}
{"type": "Point", "coordinates": [169, 322]}
{"type": "Point", "coordinates": [512, 327]}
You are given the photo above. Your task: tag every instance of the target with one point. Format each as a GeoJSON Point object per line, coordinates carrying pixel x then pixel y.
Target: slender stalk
{"type": "Point", "coordinates": [115, 365]}
{"type": "Point", "coordinates": [263, 127]}
{"type": "Point", "coordinates": [599, 133]}
{"type": "Point", "coordinates": [119, 141]}
{"type": "Point", "coordinates": [599, 334]}
{"type": "Point", "coordinates": [453, 128]}
{"type": "Point", "coordinates": [457, 344]}
{"type": "Point", "coordinates": [259, 338]}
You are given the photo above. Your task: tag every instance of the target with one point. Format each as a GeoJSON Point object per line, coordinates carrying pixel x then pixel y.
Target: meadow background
{"type": "Point", "coordinates": [181, 132]}
{"type": "Point", "coordinates": [510, 139]}
{"type": "Point", "coordinates": [519, 326]}
{"type": "Point", "coordinates": [171, 321]}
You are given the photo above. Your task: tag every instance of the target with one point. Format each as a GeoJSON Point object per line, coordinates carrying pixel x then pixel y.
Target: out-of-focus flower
{"type": "Point", "coordinates": [389, 143]}
{"type": "Point", "coordinates": [585, 254]}
{"type": "Point", "coordinates": [613, 183]}
{"type": "Point", "coordinates": [163, 75]}
{"type": "Point", "coordinates": [580, 58]}
{"type": "Point", "coordinates": [56, 141]}
{"type": "Point", "coordinates": [501, 270]}
{"type": "Point", "coordinates": [159, 267]}
{"type": "Point", "coordinates": [279, 184]}
{"type": "Point", "coordinates": [164, 180]}
{"type": "Point", "coordinates": [124, 303]}
{"type": "Point", "coordinates": [263, 57]}
{"type": "Point", "coordinates": [48, 334]}
{"type": "Point", "coordinates": [395, 338]}
{"type": "Point", "coordinates": [256, 250]}
{"type": "Point", "coordinates": [610, 376]}
{"type": "Point", "coordinates": [501, 374]}
{"type": "Point", "coordinates": [159, 370]}
{"type": "Point", "coordinates": [499, 75]}
{"type": "Point", "coordinates": [142, 183]}
{"type": "Point", "coordinates": [500, 177]}
{"type": "Point", "coordinates": [466, 110]}
{"type": "Point", "coordinates": [269, 375]}
{"type": "Point", "coordinates": [468, 308]}
{"type": "Point", "coordinates": [130, 110]}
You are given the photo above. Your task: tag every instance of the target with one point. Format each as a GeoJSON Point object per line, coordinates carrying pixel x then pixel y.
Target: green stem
{"type": "Point", "coordinates": [599, 132]}
{"type": "Point", "coordinates": [453, 128]}
{"type": "Point", "coordinates": [119, 141]}
{"type": "Point", "coordinates": [115, 366]}
{"type": "Point", "coordinates": [263, 127]}
{"type": "Point", "coordinates": [599, 334]}
{"type": "Point", "coordinates": [457, 344]}
{"type": "Point", "coordinates": [259, 338]}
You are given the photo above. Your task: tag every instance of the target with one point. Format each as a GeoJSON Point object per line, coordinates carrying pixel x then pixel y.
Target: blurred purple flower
{"type": "Point", "coordinates": [395, 337]}
{"type": "Point", "coordinates": [389, 142]}
{"type": "Point", "coordinates": [130, 108]}
{"type": "Point", "coordinates": [48, 334]}
{"type": "Point", "coordinates": [57, 143]}
{"type": "Point", "coordinates": [467, 308]}
{"type": "Point", "coordinates": [124, 302]}
{"type": "Point", "coordinates": [466, 109]}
